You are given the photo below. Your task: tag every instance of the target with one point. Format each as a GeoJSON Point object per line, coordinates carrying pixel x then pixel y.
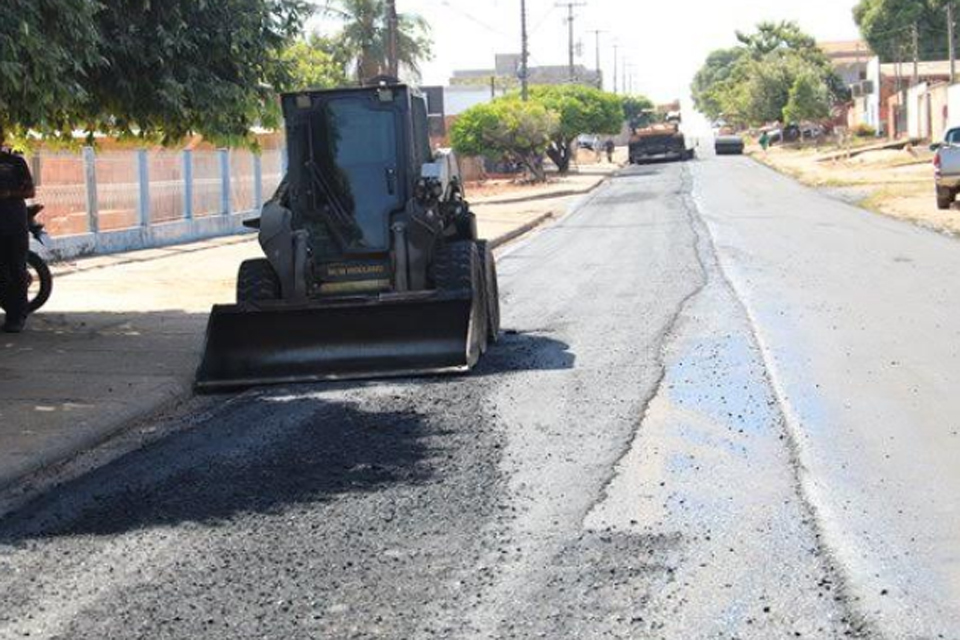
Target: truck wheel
{"type": "Point", "coordinates": [257, 281]}
{"type": "Point", "coordinates": [489, 265]}
{"type": "Point", "coordinates": [456, 267]}
{"type": "Point", "coordinates": [945, 198]}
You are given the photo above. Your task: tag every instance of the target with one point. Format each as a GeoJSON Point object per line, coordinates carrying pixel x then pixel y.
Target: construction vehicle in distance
{"type": "Point", "coordinates": [372, 263]}
{"type": "Point", "coordinates": [656, 136]}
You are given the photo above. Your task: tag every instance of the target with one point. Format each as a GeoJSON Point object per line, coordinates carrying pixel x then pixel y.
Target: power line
{"type": "Point", "coordinates": [571, 17]}
{"type": "Point", "coordinates": [471, 18]}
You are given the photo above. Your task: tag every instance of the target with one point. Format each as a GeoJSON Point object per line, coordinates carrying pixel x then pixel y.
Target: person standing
{"type": "Point", "coordinates": [16, 186]}
{"type": "Point", "coordinates": [609, 146]}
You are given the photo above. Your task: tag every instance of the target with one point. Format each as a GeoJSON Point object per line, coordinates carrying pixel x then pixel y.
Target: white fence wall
{"type": "Point", "coordinates": [126, 200]}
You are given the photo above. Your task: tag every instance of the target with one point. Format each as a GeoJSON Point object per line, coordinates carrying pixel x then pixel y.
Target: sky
{"type": "Point", "coordinates": [664, 41]}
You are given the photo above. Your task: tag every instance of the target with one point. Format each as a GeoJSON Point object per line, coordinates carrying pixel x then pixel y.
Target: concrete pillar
{"type": "Point", "coordinates": [257, 181]}
{"type": "Point", "coordinates": [187, 184]}
{"type": "Point", "coordinates": [224, 181]}
{"type": "Point", "coordinates": [143, 179]}
{"type": "Point", "coordinates": [90, 181]}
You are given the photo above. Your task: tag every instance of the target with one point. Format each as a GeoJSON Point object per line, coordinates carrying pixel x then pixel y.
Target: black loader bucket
{"type": "Point", "coordinates": [279, 343]}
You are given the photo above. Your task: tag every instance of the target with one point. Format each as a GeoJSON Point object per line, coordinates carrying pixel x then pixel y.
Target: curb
{"type": "Point", "coordinates": [521, 230]}
{"type": "Point", "coordinates": [542, 196]}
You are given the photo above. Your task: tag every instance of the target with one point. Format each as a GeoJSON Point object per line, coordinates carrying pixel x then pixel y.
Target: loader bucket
{"type": "Point", "coordinates": [279, 343]}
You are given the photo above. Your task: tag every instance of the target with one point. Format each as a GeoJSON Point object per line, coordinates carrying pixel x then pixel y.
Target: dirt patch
{"type": "Point", "coordinates": [896, 183]}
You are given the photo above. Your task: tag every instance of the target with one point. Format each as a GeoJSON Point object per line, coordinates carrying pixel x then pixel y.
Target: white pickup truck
{"type": "Point", "coordinates": [946, 167]}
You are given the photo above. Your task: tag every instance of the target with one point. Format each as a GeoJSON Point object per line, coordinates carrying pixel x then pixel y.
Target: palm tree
{"type": "Point", "coordinates": [364, 37]}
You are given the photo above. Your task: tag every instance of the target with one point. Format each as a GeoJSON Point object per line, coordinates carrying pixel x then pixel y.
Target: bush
{"type": "Point", "coordinates": [864, 131]}
{"type": "Point", "coordinates": [507, 128]}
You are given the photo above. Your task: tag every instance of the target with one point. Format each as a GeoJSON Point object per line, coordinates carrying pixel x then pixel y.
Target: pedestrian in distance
{"type": "Point", "coordinates": [16, 186]}
{"type": "Point", "coordinates": [764, 141]}
{"type": "Point", "coordinates": [609, 146]}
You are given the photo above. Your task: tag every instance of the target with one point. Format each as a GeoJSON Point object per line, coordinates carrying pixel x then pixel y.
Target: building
{"type": "Point", "coordinates": [506, 72]}
{"type": "Point", "coordinates": [850, 59]}
{"type": "Point", "coordinates": [897, 105]}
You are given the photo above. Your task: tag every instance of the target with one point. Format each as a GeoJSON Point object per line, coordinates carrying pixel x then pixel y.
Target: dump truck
{"type": "Point", "coordinates": [372, 266]}
{"type": "Point", "coordinates": [656, 137]}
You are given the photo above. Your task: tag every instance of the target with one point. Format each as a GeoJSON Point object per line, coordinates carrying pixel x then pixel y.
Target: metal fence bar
{"type": "Point", "coordinates": [188, 184]}
{"type": "Point", "coordinates": [225, 205]}
{"type": "Point", "coordinates": [143, 178]}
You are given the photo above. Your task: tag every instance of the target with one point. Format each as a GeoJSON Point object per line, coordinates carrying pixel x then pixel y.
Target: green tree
{"type": "Point", "coordinates": [145, 68]}
{"type": "Point", "coordinates": [364, 36]}
{"type": "Point", "coordinates": [809, 99]}
{"type": "Point", "coordinates": [887, 25]}
{"type": "Point", "coordinates": [313, 63]}
{"type": "Point", "coordinates": [712, 83]}
{"type": "Point", "coordinates": [635, 106]}
{"type": "Point", "coordinates": [580, 110]}
{"type": "Point", "coordinates": [771, 37]}
{"type": "Point", "coordinates": [46, 48]}
{"type": "Point", "coordinates": [751, 84]}
{"type": "Point", "coordinates": [508, 128]}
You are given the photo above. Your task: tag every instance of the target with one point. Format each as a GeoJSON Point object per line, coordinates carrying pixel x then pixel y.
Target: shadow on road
{"type": "Point", "coordinates": [268, 453]}
{"type": "Point", "coordinates": [258, 454]}
{"type": "Point", "coordinates": [525, 351]}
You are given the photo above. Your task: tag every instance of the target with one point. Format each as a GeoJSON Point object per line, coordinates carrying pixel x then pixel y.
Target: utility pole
{"type": "Point", "coordinates": [616, 56]}
{"type": "Point", "coordinates": [570, 20]}
{"type": "Point", "coordinates": [953, 44]}
{"type": "Point", "coordinates": [392, 26]}
{"type": "Point", "coordinates": [597, 32]}
{"type": "Point", "coordinates": [524, 53]}
{"type": "Point", "coordinates": [916, 54]}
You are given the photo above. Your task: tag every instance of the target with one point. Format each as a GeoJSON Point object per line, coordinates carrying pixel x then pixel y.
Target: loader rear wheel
{"type": "Point", "coordinates": [257, 282]}
{"type": "Point", "coordinates": [492, 289]}
{"type": "Point", "coordinates": [457, 267]}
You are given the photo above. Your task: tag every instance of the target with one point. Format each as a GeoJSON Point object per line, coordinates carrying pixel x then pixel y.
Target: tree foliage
{"type": "Point", "coordinates": [580, 109]}
{"type": "Point", "coordinates": [509, 128]}
{"type": "Point", "coordinates": [716, 80]}
{"type": "Point", "coordinates": [365, 38]}
{"type": "Point", "coordinates": [144, 68]}
{"type": "Point", "coordinates": [635, 106]}
{"type": "Point", "coordinates": [809, 99]}
{"type": "Point", "coordinates": [751, 84]}
{"type": "Point", "coordinates": [313, 63]}
{"type": "Point", "coordinates": [47, 48]}
{"type": "Point", "coordinates": [887, 25]}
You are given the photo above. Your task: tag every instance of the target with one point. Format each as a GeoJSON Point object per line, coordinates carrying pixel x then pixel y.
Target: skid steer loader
{"type": "Point", "coordinates": [372, 264]}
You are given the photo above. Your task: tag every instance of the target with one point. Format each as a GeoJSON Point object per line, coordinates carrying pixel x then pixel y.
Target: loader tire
{"type": "Point", "coordinates": [456, 267]}
{"type": "Point", "coordinates": [945, 198]}
{"type": "Point", "coordinates": [488, 264]}
{"type": "Point", "coordinates": [257, 282]}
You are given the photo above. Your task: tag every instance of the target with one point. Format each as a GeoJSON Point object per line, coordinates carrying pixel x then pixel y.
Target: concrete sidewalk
{"type": "Point", "coordinates": [121, 336]}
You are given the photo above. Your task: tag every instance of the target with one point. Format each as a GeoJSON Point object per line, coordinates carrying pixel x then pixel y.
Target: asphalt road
{"type": "Point", "coordinates": [721, 409]}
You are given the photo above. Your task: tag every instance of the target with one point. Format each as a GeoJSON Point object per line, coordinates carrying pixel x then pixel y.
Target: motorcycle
{"type": "Point", "coordinates": [39, 278]}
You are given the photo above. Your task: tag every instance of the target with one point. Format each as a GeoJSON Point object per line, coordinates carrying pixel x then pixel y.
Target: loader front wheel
{"type": "Point", "coordinates": [492, 289]}
{"type": "Point", "coordinates": [457, 267]}
{"type": "Point", "coordinates": [257, 282]}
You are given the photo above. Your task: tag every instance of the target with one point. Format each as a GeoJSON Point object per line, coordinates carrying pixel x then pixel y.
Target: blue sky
{"type": "Point", "coordinates": [665, 41]}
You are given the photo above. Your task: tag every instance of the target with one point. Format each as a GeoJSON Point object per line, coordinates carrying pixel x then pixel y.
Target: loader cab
{"type": "Point", "coordinates": [355, 155]}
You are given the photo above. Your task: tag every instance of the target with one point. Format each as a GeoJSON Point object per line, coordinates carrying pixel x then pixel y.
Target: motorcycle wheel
{"type": "Point", "coordinates": [39, 282]}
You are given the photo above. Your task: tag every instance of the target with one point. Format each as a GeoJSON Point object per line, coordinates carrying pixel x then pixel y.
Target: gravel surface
{"type": "Point", "coordinates": [617, 467]}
